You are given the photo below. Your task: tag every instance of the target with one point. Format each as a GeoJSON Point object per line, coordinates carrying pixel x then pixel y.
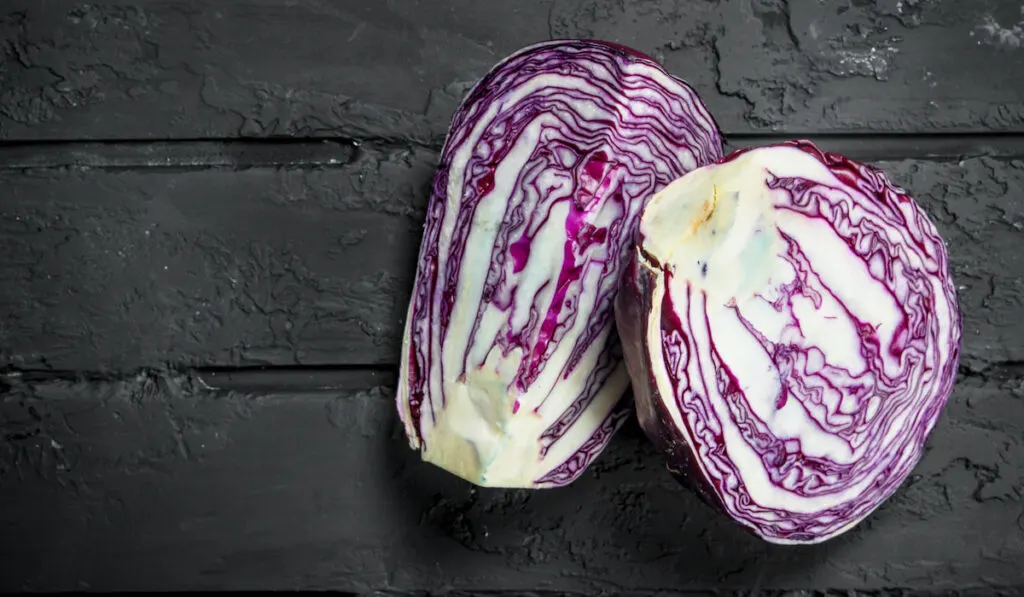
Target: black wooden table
{"type": "Point", "coordinates": [209, 217]}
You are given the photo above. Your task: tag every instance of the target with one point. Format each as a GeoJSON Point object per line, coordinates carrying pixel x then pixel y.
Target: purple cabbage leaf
{"type": "Point", "coordinates": [792, 333]}
{"type": "Point", "coordinates": [511, 372]}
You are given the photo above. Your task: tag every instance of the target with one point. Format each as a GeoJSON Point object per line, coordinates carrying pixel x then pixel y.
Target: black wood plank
{"type": "Point", "coordinates": [156, 483]}
{"type": "Point", "coordinates": [121, 268]}
{"type": "Point", "coordinates": [127, 268]}
{"type": "Point", "coordinates": [350, 68]}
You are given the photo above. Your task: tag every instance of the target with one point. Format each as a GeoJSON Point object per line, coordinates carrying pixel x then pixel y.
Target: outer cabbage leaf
{"type": "Point", "coordinates": [792, 332]}
{"type": "Point", "coordinates": [511, 373]}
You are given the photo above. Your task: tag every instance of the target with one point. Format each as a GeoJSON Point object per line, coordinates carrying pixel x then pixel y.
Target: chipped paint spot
{"type": "Point", "coordinates": [929, 78]}
{"type": "Point", "coordinates": [910, 13]}
{"type": "Point", "coordinates": [874, 62]}
{"type": "Point", "coordinates": [995, 34]}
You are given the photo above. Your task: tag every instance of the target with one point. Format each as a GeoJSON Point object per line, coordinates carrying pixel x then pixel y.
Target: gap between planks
{"type": "Point", "coordinates": [256, 380]}
{"type": "Point", "coordinates": [331, 378]}
{"type": "Point", "coordinates": [291, 152]}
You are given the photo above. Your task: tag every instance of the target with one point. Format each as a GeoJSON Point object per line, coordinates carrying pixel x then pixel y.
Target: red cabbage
{"type": "Point", "coordinates": [511, 372]}
{"type": "Point", "coordinates": [792, 332]}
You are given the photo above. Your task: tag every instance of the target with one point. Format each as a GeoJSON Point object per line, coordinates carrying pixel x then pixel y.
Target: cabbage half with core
{"type": "Point", "coordinates": [792, 333]}
{"type": "Point", "coordinates": [511, 373]}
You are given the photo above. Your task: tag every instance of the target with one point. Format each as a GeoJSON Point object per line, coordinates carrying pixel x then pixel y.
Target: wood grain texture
{"type": "Point", "coordinates": [119, 269]}
{"type": "Point", "coordinates": [115, 269]}
{"type": "Point", "coordinates": [349, 68]}
{"type": "Point", "coordinates": [154, 482]}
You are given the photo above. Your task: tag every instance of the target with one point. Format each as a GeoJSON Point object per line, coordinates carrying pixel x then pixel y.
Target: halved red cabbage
{"type": "Point", "coordinates": [511, 375]}
{"type": "Point", "coordinates": [792, 333]}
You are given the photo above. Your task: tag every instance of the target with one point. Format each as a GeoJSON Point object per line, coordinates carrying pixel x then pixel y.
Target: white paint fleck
{"type": "Point", "coordinates": [997, 35]}
{"type": "Point", "coordinates": [359, 29]}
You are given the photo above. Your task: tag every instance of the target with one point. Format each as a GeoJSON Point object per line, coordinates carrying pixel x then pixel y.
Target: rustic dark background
{"type": "Point", "coordinates": [209, 215]}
